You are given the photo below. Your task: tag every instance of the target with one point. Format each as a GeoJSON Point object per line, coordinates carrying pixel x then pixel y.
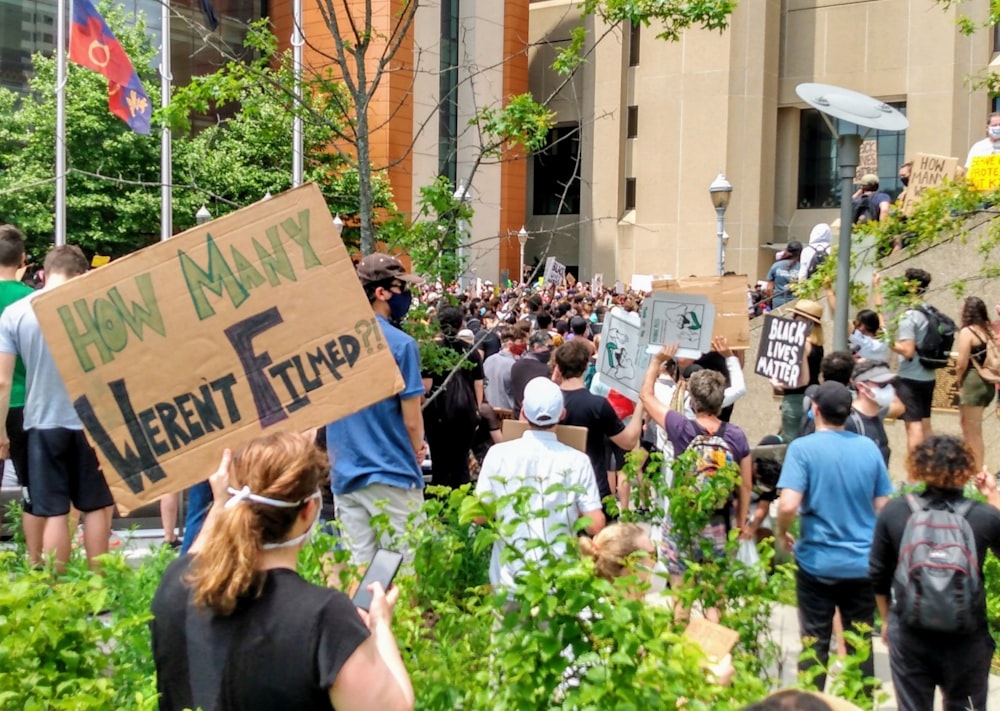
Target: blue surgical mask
{"type": "Point", "coordinates": [995, 132]}
{"type": "Point", "coordinates": [399, 305]}
{"type": "Point", "coordinates": [884, 395]}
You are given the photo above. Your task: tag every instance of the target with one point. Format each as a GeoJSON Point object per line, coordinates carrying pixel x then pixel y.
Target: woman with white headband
{"type": "Point", "coordinates": [235, 627]}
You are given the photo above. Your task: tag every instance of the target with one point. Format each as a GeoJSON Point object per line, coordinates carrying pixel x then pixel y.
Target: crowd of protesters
{"type": "Point", "coordinates": [530, 354]}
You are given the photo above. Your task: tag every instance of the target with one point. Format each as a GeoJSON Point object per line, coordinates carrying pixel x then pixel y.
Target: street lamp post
{"type": "Point", "coordinates": [522, 237]}
{"type": "Point", "coordinates": [720, 191]}
{"type": "Point", "coordinates": [338, 225]}
{"type": "Point", "coordinates": [203, 215]}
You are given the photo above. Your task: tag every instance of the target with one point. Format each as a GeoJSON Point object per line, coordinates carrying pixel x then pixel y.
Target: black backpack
{"type": "Point", "coordinates": [866, 209]}
{"type": "Point", "coordinates": [937, 585]}
{"type": "Point", "coordinates": [817, 259]}
{"type": "Point", "coordinates": [935, 348]}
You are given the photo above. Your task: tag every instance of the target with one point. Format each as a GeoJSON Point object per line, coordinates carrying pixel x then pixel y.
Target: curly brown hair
{"type": "Point", "coordinates": [942, 461]}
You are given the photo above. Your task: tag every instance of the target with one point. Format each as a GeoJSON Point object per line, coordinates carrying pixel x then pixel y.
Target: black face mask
{"type": "Point", "coordinates": [905, 181]}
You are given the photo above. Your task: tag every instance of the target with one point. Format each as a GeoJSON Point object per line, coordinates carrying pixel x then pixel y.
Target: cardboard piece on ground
{"type": "Point", "coordinates": [570, 435]}
{"type": "Point", "coordinates": [984, 173]}
{"type": "Point", "coordinates": [250, 324]}
{"type": "Point", "coordinates": [685, 319]}
{"type": "Point", "coordinates": [782, 346]}
{"type": "Point", "coordinates": [729, 296]}
{"type": "Point", "coordinates": [715, 640]}
{"type": "Point", "coordinates": [928, 171]}
{"type": "Point", "coordinates": [621, 356]}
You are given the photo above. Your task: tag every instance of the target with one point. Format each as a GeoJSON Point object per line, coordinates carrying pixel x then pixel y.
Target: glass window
{"type": "Point", "coordinates": [633, 44]}
{"type": "Point", "coordinates": [629, 193]}
{"type": "Point", "coordinates": [448, 91]}
{"type": "Point", "coordinates": [633, 122]}
{"type": "Point", "coordinates": [557, 173]}
{"type": "Point", "coordinates": [819, 179]}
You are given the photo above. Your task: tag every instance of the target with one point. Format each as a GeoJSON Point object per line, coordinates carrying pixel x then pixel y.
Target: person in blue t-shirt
{"type": "Point", "coordinates": [376, 454]}
{"type": "Point", "coordinates": [837, 482]}
{"type": "Point", "coordinates": [783, 274]}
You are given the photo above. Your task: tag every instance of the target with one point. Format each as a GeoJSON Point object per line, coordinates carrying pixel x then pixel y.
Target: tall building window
{"type": "Point", "coordinates": [632, 129]}
{"type": "Point", "coordinates": [633, 44]}
{"type": "Point", "coordinates": [557, 173]}
{"type": "Point", "coordinates": [629, 193]}
{"type": "Point", "coordinates": [448, 91]}
{"type": "Point", "coordinates": [819, 177]}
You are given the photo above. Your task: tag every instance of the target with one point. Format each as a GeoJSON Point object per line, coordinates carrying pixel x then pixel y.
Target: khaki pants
{"type": "Point", "coordinates": [356, 509]}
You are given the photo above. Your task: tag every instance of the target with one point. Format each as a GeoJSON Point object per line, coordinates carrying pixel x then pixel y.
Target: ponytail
{"type": "Point", "coordinates": [611, 547]}
{"type": "Point", "coordinates": [278, 473]}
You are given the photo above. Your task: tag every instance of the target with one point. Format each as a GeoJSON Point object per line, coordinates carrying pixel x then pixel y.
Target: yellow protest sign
{"type": "Point", "coordinates": [252, 323]}
{"type": "Point", "coordinates": [984, 173]}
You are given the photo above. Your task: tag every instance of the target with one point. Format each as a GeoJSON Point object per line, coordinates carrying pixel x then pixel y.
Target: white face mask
{"type": "Point", "coordinates": [884, 395]}
{"type": "Point", "coordinates": [994, 132]}
{"type": "Point", "coordinates": [305, 537]}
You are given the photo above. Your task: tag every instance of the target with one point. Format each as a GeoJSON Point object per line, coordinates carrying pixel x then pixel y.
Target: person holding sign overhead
{"type": "Point", "coordinates": [63, 467]}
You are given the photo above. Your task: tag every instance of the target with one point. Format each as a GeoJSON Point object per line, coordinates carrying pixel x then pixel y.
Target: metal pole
{"type": "Point", "coordinates": [520, 274]}
{"type": "Point", "coordinates": [720, 223]}
{"type": "Point", "coordinates": [60, 217]}
{"type": "Point", "coordinates": [298, 40]}
{"type": "Point", "coordinates": [166, 148]}
{"type": "Point", "coordinates": [848, 156]}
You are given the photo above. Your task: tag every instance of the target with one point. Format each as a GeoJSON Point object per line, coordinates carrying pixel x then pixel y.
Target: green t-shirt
{"type": "Point", "coordinates": [11, 291]}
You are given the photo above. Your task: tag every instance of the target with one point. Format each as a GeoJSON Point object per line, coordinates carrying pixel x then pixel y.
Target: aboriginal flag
{"type": "Point", "coordinates": [92, 45]}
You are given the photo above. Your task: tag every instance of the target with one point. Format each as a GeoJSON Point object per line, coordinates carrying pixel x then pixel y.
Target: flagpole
{"type": "Point", "coordinates": [60, 216]}
{"type": "Point", "coordinates": [297, 41]}
{"type": "Point", "coordinates": [166, 147]}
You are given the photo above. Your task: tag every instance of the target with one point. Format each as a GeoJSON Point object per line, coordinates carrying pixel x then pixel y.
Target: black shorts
{"type": "Point", "coordinates": [19, 452]}
{"type": "Point", "coordinates": [916, 396]}
{"type": "Point", "coordinates": [64, 470]}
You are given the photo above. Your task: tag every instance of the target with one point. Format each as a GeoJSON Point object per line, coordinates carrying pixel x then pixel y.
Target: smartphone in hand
{"type": "Point", "coordinates": [382, 570]}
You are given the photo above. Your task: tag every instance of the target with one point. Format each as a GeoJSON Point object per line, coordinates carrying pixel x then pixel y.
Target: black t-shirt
{"type": "Point", "coordinates": [872, 428]}
{"type": "Point", "coordinates": [529, 367]}
{"type": "Point", "coordinates": [488, 342]}
{"type": "Point", "coordinates": [282, 650]}
{"type": "Point", "coordinates": [584, 409]}
{"type": "Point", "coordinates": [983, 519]}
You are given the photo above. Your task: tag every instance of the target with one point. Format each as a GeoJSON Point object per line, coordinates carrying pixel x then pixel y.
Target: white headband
{"type": "Point", "coordinates": [244, 494]}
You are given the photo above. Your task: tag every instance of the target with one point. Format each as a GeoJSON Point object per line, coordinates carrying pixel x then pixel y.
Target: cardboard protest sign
{"type": "Point", "coordinates": [570, 435]}
{"type": "Point", "coordinates": [715, 640]}
{"type": "Point", "coordinates": [554, 272]}
{"type": "Point", "coordinates": [250, 324]}
{"type": "Point", "coordinates": [729, 296]}
{"type": "Point", "coordinates": [685, 319]}
{"type": "Point", "coordinates": [947, 395]}
{"type": "Point", "coordinates": [782, 346]}
{"type": "Point", "coordinates": [867, 159]}
{"type": "Point", "coordinates": [621, 355]}
{"type": "Point", "coordinates": [928, 171]}
{"type": "Point", "coordinates": [570, 281]}
{"type": "Point", "coordinates": [642, 282]}
{"type": "Point", "coordinates": [984, 173]}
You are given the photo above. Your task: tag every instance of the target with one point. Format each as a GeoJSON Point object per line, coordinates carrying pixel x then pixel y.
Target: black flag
{"type": "Point", "coordinates": [210, 17]}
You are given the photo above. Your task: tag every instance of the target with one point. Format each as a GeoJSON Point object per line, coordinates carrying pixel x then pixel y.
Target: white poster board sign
{"type": "Point", "coordinates": [642, 282]}
{"type": "Point", "coordinates": [555, 272]}
{"type": "Point", "coordinates": [621, 357]}
{"type": "Point", "coordinates": [597, 284]}
{"type": "Point", "coordinates": [685, 319]}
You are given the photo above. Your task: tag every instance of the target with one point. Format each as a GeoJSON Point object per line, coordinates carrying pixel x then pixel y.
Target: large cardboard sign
{"type": "Point", "coordinates": [253, 323]}
{"type": "Point", "coordinates": [729, 296]}
{"type": "Point", "coordinates": [947, 395]}
{"type": "Point", "coordinates": [782, 346]}
{"type": "Point", "coordinates": [984, 173]}
{"type": "Point", "coordinates": [621, 356]}
{"type": "Point", "coordinates": [684, 319]}
{"type": "Point", "coordinates": [555, 272]}
{"type": "Point", "coordinates": [570, 435]}
{"type": "Point", "coordinates": [928, 171]}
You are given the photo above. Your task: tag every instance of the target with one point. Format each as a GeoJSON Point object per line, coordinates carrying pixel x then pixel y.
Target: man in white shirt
{"type": "Point", "coordinates": [527, 469]}
{"type": "Point", "coordinates": [989, 145]}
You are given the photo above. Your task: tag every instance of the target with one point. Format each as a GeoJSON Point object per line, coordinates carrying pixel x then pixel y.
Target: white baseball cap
{"type": "Point", "coordinates": [543, 402]}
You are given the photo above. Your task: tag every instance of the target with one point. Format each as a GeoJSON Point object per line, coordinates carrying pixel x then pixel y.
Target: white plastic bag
{"type": "Point", "coordinates": [747, 554]}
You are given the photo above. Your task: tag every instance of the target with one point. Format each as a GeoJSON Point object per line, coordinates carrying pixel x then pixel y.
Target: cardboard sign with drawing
{"type": "Point", "coordinates": [251, 323]}
{"type": "Point", "coordinates": [621, 357]}
{"type": "Point", "coordinates": [686, 319]}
